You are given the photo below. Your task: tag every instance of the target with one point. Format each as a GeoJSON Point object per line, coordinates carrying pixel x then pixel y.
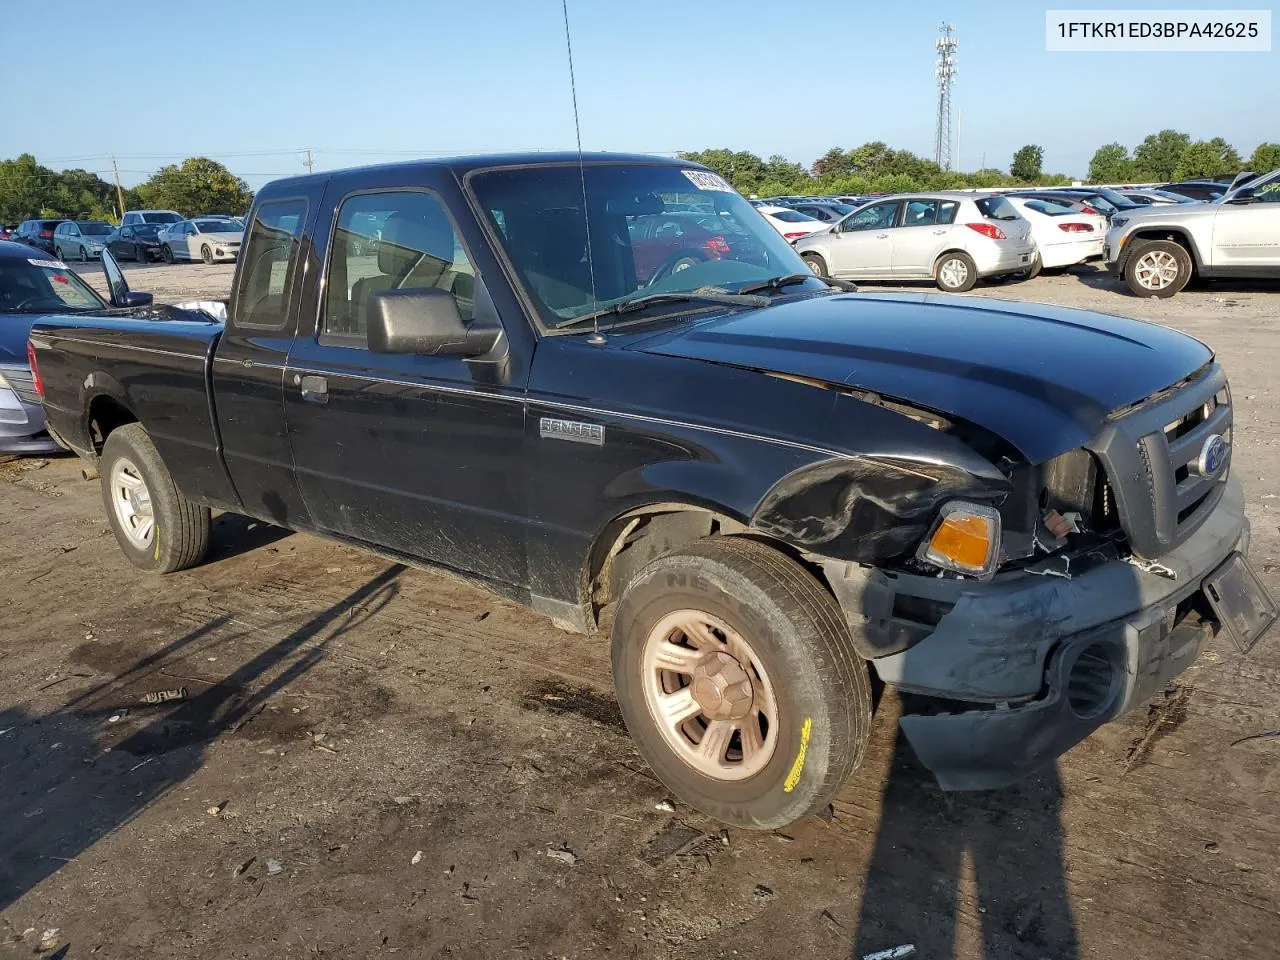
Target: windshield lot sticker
{"type": "Point", "coordinates": [51, 264]}
{"type": "Point", "coordinates": [706, 180]}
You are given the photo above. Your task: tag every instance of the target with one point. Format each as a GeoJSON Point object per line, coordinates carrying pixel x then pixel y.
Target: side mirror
{"type": "Point", "coordinates": [425, 322]}
{"type": "Point", "coordinates": [1244, 195]}
{"type": "Point", "coordinates": [120, 293]}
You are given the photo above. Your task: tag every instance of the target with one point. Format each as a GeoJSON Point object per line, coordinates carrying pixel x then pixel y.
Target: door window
{"type": "Point", "coordinates": [920, 213]}
{"type": "Point", "coordinates": [398, 240]}
{"type": "Point", "coordinates": [878, 216]}
{"type": "Point", "coordinates": [270, 260]}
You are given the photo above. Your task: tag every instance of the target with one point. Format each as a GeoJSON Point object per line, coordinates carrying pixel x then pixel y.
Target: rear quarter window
{"type": "Point", "coordinates": [270, 261]}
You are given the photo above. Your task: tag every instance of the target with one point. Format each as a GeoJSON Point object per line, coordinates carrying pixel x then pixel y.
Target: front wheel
{"type": "Point", "coordinates": [84, 255]}
{"type": "Point", "coordinates": [140, 253]}
{"type": "Point", "coordinates": [738, 680]}
{"type": "Point", "coordinates": [955, 272]}
{"type": "Point", "coordinates": [1157, 268]}
{"type": "Point", "coordinates": [158, 529]}
{"type": "Point", "coordinates": [815, 263]}
{"type": "Point", "coordinates": [206, 254]}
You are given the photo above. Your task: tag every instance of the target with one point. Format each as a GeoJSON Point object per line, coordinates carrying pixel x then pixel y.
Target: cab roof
{"type": "Point", "coordinates": [462, 165]}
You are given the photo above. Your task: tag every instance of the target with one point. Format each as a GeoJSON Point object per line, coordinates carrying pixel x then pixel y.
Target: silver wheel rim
{"type": "Point", "coordinates": [1156, 270]}
{"type": "Point", "coordinates": [709, 696]}
{"type": "Point", "coordinates": [953, 273]}
{"type": "Point", "coordinates": [813, 265]}
{"type": "Point", "coordinates": [131, 501]}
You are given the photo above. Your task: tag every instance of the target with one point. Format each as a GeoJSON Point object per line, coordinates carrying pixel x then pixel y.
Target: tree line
{"type": "Point", "coordinates": [878, 168]}
{"type": "Point", "coordinates": [197, 185]}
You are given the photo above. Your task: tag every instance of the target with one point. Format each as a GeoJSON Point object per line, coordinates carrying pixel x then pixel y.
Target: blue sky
{"type": "Point", "coordinates": [255, 82]}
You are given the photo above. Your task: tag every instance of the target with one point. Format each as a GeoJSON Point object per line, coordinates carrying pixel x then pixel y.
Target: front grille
{"type": "Point", "coordinates": [23, 383]}
{"type": "Point", "coordinates": [1151, 455]}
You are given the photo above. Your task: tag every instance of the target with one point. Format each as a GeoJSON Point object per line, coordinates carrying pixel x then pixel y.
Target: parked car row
{"type": "Point", "coordinates": [143, 235]}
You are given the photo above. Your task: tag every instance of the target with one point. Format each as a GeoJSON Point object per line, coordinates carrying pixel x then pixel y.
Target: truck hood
{"type": "Point", "coordinates": [1041, 377]}
{"type": "Point", "coordinates": [1169, 213]}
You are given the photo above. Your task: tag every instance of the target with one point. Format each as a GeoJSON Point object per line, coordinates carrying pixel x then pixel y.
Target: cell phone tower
{"type": "Point", "coordinates": [946, 74]}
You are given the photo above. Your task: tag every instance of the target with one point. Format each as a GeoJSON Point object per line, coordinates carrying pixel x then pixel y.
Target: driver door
{"type": "Point", "coordinates": [1248, 234]}
{"type": "Point", "coordinates": [863, 247]}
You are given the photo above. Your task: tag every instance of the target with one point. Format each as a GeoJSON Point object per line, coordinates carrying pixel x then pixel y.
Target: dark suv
{"type": "Point", "coordinates": [37, 233]}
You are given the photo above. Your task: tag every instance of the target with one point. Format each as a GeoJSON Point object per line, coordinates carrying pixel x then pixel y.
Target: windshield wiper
{"type": "Point", "coordinates": [640, 303]}
{"type": "Point", "coordinates": [777, 283]}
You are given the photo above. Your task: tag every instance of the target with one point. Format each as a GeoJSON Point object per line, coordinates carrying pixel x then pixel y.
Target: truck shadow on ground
{"type": "Point", "coordinates": [66, 782]}
{"type": "Point", "coordinates": [996, 856]}
{"type": "Point", "coordinates": [233, 535]}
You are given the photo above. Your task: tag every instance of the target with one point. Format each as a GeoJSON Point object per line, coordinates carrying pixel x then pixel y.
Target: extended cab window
{"type": "Point", "coordinates": [270, 260]}
{"type": "Point", "coordinates": [398, 240]}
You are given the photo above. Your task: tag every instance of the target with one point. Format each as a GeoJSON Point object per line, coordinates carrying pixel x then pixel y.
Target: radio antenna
{"type": "Point", "coordinates": [596, 337]}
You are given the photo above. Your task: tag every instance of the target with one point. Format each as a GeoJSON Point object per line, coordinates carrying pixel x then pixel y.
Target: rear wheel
{"type": "Point", "coordinates": [1157, 268]}
{"type": "Point", "coordinates": [57, 253]}
{"type": "Point", "coordinates": [206, 254]}
{"type": "Point", "coordinates": [158, 529]}
{"type": "Point", "coordinates": [955, 272]}
{"type": "Point", "coordinates": [815, 263]}
{"type": "Point", "coordinates": [738, 680]}
{"type": "Point", "coordinates": [1037, 265]}
{"type": "Point", "coordinates": [167, 253]}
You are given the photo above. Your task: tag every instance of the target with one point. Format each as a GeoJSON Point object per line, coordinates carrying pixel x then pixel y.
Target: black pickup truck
{"type": "Point", "coordinates": [606, 387]}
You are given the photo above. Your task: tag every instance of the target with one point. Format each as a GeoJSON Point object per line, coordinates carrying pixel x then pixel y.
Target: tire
{"type": "Point", "coordinates": [57, 254]}
{"type": "Point", "coordinates": [167, 252]}
{"type": "Point", "coordinates": [140, 254]}
{"type": "Point", "coordinates": [815, 263]}
{"type": "Point", "coordinates": [803, 667]}
{"type": "Point", "coordinates": [84, 255]}
{"type": "Point", "coordinates": [1161, 262]}
{"type": "Point", "coordinates": [1037, 265]}
{"type": "Point", "coordinates": [955, 272]}
{"type": "Point", "coordinates": [179, 535]}
{"type": "Point", "coordinates": [206, 254]}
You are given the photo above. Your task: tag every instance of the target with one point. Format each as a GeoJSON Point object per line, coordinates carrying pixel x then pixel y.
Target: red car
{"type": "Point", "coordinates": [665, 243]}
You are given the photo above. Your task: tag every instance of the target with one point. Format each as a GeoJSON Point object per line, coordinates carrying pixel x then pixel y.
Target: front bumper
{"type": "Point", "coordinates": [1041, 661]}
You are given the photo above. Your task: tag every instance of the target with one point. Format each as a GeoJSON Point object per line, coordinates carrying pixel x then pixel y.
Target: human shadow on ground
{"type": "Point", "coordinates": [62, 790]}
{"type": "Point", "coordinates": [1008, 841]}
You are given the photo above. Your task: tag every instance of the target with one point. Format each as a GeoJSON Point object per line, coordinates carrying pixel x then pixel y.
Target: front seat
{"type": "Point", "coordinates": [415, 252]}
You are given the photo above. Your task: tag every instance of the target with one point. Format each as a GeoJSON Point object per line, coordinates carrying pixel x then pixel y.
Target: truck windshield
{"type": "Point", "coordinates": [642, 238]}
{"type": "Point", "coordinates": [42, 286]}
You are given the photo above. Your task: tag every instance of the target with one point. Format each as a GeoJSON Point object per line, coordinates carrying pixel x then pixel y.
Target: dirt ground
{"type": "Point", "coordinates": [372, 760]}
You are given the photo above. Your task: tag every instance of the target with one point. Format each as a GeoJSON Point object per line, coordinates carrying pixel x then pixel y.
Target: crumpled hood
{"type": "Point", "coordinates": [1042, 377]}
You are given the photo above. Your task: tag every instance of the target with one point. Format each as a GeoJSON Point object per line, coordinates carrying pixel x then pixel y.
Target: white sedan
{"type": "Point", "coordinates": [792, 224]}
{"type": "Point", "coordinates": [1063, 237]}
{"type": "Point", "coordinates": [205, 238]}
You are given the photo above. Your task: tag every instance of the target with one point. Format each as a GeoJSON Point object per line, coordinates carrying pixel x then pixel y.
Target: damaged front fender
{"type": "Point", "coordinates": [869, 509]}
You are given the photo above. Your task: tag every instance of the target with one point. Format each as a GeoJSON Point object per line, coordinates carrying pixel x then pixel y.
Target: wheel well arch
{"type": "Point", "coordinates": [946, 253]}
{"type": "Point", "coordinates": [1169, 234]}
{"type": "Point", "coordinates": [633, 538]}
{"type": "Point", "coordinates": [105, 414]}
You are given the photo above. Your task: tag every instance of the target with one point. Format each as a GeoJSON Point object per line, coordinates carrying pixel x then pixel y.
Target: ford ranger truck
{"type": "Point", "coordinates": [771, 488]}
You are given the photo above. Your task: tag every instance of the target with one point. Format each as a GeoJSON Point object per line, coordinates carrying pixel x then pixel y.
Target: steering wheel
{"type": "Point", "coordinates": [682, 259]}
{"type": "Point", "coordinates": [26, 301]}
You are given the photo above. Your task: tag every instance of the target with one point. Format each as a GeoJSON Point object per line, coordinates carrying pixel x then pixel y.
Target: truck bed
{"type": "Point", "coordinates": [94, 368]}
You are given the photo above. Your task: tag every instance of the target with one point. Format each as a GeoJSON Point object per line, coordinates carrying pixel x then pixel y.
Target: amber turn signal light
{"type": "Point", "coordinates": [965, 538]}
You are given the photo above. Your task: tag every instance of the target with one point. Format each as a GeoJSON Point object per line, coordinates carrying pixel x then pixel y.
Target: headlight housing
{"type": "Point", "coordinates": [1119, 221]}
{"type": "Point", "coordinates": [964, 539]}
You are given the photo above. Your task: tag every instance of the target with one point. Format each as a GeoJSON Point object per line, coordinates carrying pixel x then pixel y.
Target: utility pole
{"type": "Point", "coordinates": [119, 192]}
{"type": "Point", "coordinates": [308, 160]}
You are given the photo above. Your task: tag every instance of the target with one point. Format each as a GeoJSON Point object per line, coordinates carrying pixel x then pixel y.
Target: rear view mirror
{"type": "Point", "coordinates": [640, 205]}
{"type": "Point", "coordinates": [425, 322]}
{"type": "Point", "coordinates": [1244, 195]}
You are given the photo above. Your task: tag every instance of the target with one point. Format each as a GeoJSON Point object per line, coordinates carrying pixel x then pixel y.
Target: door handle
{"type": "Point", "coordinates": [938, 233]}
{"type": "Point", "coordinates": [315, 389]}
{"type": "Point", "coordinates": [882, 236]}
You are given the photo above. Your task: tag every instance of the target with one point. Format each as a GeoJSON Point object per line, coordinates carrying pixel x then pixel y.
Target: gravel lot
{"type": "Point", "coordinates": [374, 760]}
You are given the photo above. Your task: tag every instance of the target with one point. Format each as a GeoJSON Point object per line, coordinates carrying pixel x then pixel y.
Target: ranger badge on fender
{"type": "Point", "coordinates": [593, 433]}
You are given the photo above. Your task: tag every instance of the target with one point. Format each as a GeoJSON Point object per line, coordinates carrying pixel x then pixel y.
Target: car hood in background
{"type": "Point", "coordinates": [1042, 377]}
{"type": "Point", "coordinates": [14, 330]}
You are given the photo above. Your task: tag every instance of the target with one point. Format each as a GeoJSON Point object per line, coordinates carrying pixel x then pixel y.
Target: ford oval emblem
{"type": "Point", "coordinates": [1212, 455]}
